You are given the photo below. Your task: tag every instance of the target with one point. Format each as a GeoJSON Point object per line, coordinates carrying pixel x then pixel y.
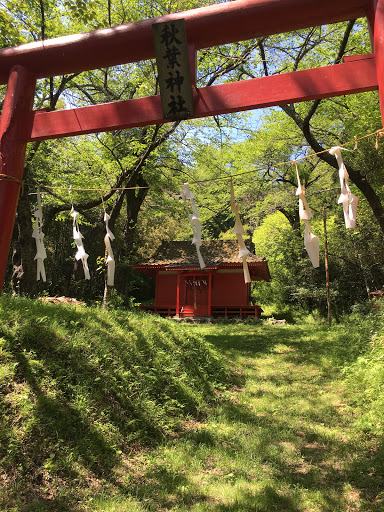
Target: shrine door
{"type": "Point", "coordinates": [195, 297]}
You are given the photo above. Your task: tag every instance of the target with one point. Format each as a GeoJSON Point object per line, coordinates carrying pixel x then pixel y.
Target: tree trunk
{"type": "Point", "coordinates": [134, 201]}
{"type": "Point", "coordinates": [24, 250]}
{"type": "Point", "coordinates": [292, 217]}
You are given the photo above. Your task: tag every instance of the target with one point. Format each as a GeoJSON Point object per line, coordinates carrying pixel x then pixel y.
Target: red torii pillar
{"type": "Point", "coordinates": [13, 141]}
{"type": "Point", "coordinates": [376, 22]}
{"type": "Point", "coordinates": [206, 27]}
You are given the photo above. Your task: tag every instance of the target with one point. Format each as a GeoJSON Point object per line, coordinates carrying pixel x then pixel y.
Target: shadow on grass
{"type": "Point", "coordinates": [266, 500]}
{"type": "Point", "coordinates": [320, 470]}
{"type": "Point", "coordinates": [301, 456]}
{"type": "Point", "coordinates": [78, 401]}
{"type": "Point", "coordinates": [87, 402]}
{"type": "Point", "coordinates": [162, 488]}
{"type": "Point", "coordinates": [312, 343]}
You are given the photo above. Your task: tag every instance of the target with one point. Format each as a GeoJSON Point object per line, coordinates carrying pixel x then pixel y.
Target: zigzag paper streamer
{"type": "Point", "coordinates": [186, 194]}
{"type": "Point", "coordinates": [349, 200]}
{"type": "Point", "coordinates": [239, 231]}
{"type": "Point", "coordinates": [311, 241]}
{"type": "Point", "coordinates": [78, 238]}
{"type": "Point", "coordinates": [38, 235]}
{"type": "Point", "coordinates": [110, 257]}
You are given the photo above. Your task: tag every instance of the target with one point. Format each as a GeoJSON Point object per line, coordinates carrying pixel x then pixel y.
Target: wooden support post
{"type": "Point", "coordinates": [371, 20]}
{"type": "Point", "coordinates": [157, 289]}
{"type": "Point", "coordinates": [210, 293]}
{"type": "Point", "coordinates": [326, 266]}
{"type": "Point", "coordinates": [14, 133]}
{"type": "Point", "coordinates": [178, 294]}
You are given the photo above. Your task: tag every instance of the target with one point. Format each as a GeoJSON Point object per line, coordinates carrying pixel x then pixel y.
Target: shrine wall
{"type": "Point", "coordinates": [229, 290]}
{"type": "Point", "coordinates": [166, 289]}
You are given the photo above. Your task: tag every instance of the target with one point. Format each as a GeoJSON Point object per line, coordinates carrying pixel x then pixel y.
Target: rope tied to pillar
{"type": "Point", "coordinates": [7, 177]}
{"type": "Point", "coordinates": [379, 134]}
{"type": "Point", "coordinates": [10, 178]}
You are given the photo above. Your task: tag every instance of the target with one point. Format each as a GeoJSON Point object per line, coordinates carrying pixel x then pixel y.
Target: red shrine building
{"type": "Point", "coordinates": [184, 289]}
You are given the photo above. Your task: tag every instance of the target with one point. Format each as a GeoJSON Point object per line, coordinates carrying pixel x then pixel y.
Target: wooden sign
{"type": "Point", "coordinates": [171, 49]}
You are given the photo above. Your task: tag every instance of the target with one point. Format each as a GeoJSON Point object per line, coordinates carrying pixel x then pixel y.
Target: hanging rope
{"type": "Point", "coordinates": [311, 241]}
{"type": "Point", "coordinates": [6, 177]}
{"type": "Point", "coordinates": [378, 133]}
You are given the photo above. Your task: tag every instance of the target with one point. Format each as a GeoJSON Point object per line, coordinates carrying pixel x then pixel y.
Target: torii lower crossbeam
{"type": "Point", "coordinates": [349, 78]}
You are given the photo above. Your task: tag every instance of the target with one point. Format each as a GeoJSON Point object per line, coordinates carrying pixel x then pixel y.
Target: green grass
{"type": "Point", "coordinates": [298, 430]}
{"type": "Point", "coordinates": [84, 389]}
{"type": "Point", "coordinates": [285, 441]}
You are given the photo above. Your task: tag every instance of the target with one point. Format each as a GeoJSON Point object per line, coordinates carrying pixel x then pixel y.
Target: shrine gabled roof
{"type": "Point", "coordinates": [183, 253]}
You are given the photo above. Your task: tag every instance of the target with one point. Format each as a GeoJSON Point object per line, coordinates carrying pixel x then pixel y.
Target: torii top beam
{"type": "Point", "coordinates": [206, 27]}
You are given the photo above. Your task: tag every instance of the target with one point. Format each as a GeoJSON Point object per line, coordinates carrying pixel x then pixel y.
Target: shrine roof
{"type": "Point", "coordinates": [214, 252]}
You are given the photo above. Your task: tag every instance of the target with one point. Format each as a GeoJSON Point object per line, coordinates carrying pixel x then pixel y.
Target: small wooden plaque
{"type": "Point", "coordinates": [172, 59]}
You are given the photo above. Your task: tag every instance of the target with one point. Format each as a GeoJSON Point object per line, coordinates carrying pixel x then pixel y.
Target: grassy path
{"type": "Point", "coordinates": [283, 440]}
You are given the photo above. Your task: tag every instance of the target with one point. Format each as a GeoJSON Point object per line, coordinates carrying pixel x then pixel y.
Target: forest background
{"type": "Point", "coordinates": [204, 152]}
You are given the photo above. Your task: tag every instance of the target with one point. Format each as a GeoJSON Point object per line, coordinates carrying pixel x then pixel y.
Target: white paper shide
{"type": "Point", "coordinates": [194, 219]}
{"type": "Point", "coordinates": [78, 238]}
{"type": "Point", "coordinates": [38, 235]}
{"type": "Point", "coordinates": [109, 236]}
{"type": "Point", "coordinates": [348, 199]}
{"type": "Point", "coordinates": [311, 241]}
{"type": "Point", "coordinates": [239, 231]}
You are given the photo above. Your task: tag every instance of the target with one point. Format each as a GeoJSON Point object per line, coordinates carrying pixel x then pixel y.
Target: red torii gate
{"type": "Point", "coordinates": [239, 20]}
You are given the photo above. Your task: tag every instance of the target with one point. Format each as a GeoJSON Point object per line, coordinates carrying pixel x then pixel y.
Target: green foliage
{"type": "Point", "coordinates": [283, 248]}
{"type": "Point", "coordinates": [203, 149]}
{"type": "Point", "coordinates": [9, 34]}
{"type": "Point", "coordinates": [366, 376]}
{"type": "Point", "coordinates": [83, 10]}
{"type": "Point", "coordinates": [81, 386]}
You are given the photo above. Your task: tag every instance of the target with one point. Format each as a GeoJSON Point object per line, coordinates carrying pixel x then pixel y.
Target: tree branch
{"type": "Point", "coordinates": [42, 12]}
{"type": "Point", "coordinates": [109, 14]}
{"type": "Point", "coordinates": [263, 57]}
{"type": "Point", "coordinates": [338, 59]}
{"type": "Point", "coordinates": [127, 174]}
{"type": "Point", "coordinates": [304, 49]}
{"type": "Point", "coordinates": [231, 66]}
